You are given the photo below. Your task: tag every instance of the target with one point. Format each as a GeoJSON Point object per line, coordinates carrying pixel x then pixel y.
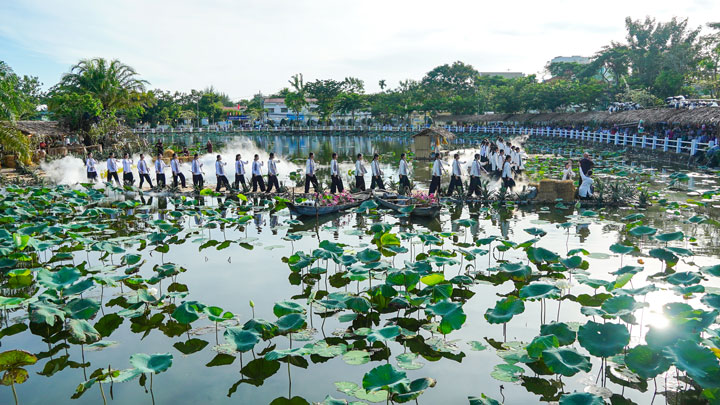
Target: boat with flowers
{"type": "Point", "coordinates": [326, 203]}
{"type": "Point", "coordinates": [416, 205]}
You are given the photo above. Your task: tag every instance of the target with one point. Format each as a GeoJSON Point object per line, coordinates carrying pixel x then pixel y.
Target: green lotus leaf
{"type": "Point", "coordinates": [541, 343]}
{"type": "Point", "coordinates": [358, 304]}
{"type": "Point", "coordinates": [665, 255]}
{"type": "Point", "coordinates": [12, 359]}
{"type": "Point", "coordinates": [81, 331]}
{"type": "Point", "coordinates": [683, 278]}
{"type": "Point", "coordinates": [505, 309]}
{"type": "Point", "coordinates": [369, 256]}
{"type": "Point", "coordinates": [483, 400]}
{"type": "Point", "coordinates": [621, 249]}
{"type": "Point", "coordinates": [626, 270]}
{"type": "Point", "coordinates": [287, 307]}
{"type": "Point", "coordinates": [697, 361]}
{"type": "Point", "coordinates": [603, 339]}
{"type": "Point", "coordinates": [151, 363]}
{"type": "Point", "coordinates": [566, 361]}
{"type": "Point", "coordinates": [432, 279]}
{"type": "Point", "coordinates": [581, 398]}
{"type": "Point", "coordinates": [517, 271]}
{"type": "Point", "coordinates": [561, 331]}
{"type": "Point", "coordinates": [633, 217]}
{"type": "Point", "coordinates": [58, 279]}
{"type": "Point", "coordinates": [385, 377]}
{"type": "Point", "coordinates": [407, 392]}
{"type": "Point", "coordinates": [572, 262]}
{"type": "Point", "coordinates": [536, 291]}
{"type": "Point", "coordinates": [291, 322]}
{"type": "Point", "coordinates": [188, 312]}
{"type": "Point", "coordinates": [711, 300]}
{"type": "Point", "coordinates": [241, 339]}
{"type": "Point", "coordinates": [535, 231]}
{"type": "Point", "coordinates": [646, 362]}
{"type": "Point", "coordinates": [620, 305]}
{"type": "Point", "coordinates": [539, 255]}
{"type": "Point", "coordinates": [407, 361]}
{"type": "Point", "coordinates": [507, 372]}
{"type": "Point", "coordinates": [669, 237]}
{"type": "Point", "coordinates": [453, 316]}
{"type": "Point", "coordinates": [476, 346]}
{"type": "Point", "coordinates": [712, 270]}
{"type": "Point", "coordinates": [386, 333]}
{"type": "Point", "coordinates": [356, 357]}
{"type": "Point", "coordinates": [643, 230]}
{"type": "Point", "coordinates": [82, 308]}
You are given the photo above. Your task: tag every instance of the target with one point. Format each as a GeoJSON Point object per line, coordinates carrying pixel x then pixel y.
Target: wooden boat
{"type": "Point", "coordinates": [315, 210]}
{"type": "Point", "coordinates": [397, 203]}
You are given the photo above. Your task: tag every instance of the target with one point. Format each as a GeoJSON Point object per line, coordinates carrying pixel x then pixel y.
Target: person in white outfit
{"type": "Point", "coordinates": [376, 173]}
{"type": "Point", "coordinates": [112, 169]}
{"type": "Point", "coordinates": [239, 173]}
{"type": "Point", "coordinates": [568, 172]}
{"type": "Point", "coordinates": [222, 180]}
{"type": "Point", "coordinates": [175, 169]}
{"type": "Point", "coordinates": [585, 189]}
{"type": "Point", "coordinates": [143, 171]}
{"type": "Point", "coordinates": [456, 175]}
{"type": "Point", "coordinates": [310, 174]}
{"type": "Point", "coordinates": [90, 167]}
{"type": "Point", "coordinates": [272, 174]}
{"type": "Point", "coordinates": [127, 163]}
{"type": "Point", "coordinates": [336, 184]}
{"type": "Point", "coordinates": [437, 171]}
{"type": "Point", "coordinates": [360, 173]}
{"type": "Point", "coordinates": [257, 179]}
{"type": "Point", "coordinates": [160, 171]}
{"type": "Point", "coordinates": [403, 172]}
{"type": "Point", "coordinates": [507, 176]}
{"type": "Point", "coordinates": [197, 174]}
{"type": "Point", "coordinates": [475, 170]}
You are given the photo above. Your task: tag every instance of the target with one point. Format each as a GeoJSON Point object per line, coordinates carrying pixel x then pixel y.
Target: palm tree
{"type": "Point", "coordinates": [382, 85]}
{"type": "Point", "coordinates": [14, 141]}
{"type": "Point", "coordinates": [115, 84]}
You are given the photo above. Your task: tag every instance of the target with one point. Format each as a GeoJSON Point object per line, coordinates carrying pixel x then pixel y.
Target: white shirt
{"type": "Point", "coordinates": [359, 168]}
{"type": "Point", "coordinates": [456, 168]}
{"type": "Point", "coordinates": [310, 167]}
{"type": "Point", "coordinates": [334, 169]}
{"type": "Point", "coordinates": [90, 163]}
{"type": "Point", "coordinates": [584, 189]}
{"type": "Point", "coordinates": [174, 166]}
{"type": "Point", "coordinates": [256, 168]}
{"type": "Point", "coordinates": [507, 172]}
{"type": "Point", "coordinates": [493, 161]}
{"type": "Point", "coordinates": [142, 167]}
{"type": "Point", "coordinates": [240, 167]}
{"type": "Point", "coordinates": [127, 165]}
{"type": "Point", "coordinates": [568, 174]}
{"type": "Point", "coordinates": [220, 168]}
{"type": "Point", "coordinates": [195, 167]}
{"type": "Point", "coordinates": [483, 151]}
{"type": "Point", "coordinates": [437, 168]}
{"type": "Point", "coordinates": [111, 165]}
{"type": "Point", "coordinates": [375, 168]}
{"type": "Point", "coordinates": [475, 168]}
{"type": "Point", "coordinates": [159, 166]}
{"type": "Point", "coordinates": [500, 160]}
{"type": "Point", "coordinates": [403, 170]}
{"type": "Point", "coordinates": [272, 169]}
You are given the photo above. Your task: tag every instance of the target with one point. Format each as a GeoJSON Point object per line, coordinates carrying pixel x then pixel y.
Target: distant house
{"type": "Point", "coordinates": [429, 141]}
{"type": "Point", "coordinates": [277, 111]}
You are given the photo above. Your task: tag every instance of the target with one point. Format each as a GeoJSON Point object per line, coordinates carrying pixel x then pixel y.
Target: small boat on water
{"type": "Point", "coordinates": [402, 205]}
{"type": "Point", "coordinates": [312, 208]}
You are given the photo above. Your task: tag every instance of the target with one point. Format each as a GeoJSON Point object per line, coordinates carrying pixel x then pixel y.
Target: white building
{"type": "Point", "coordinates": [583, 60]}
{"type": "Point", "coordinates": [278, 111]}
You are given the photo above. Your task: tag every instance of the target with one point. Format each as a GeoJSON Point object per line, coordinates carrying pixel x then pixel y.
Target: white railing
{"type": "Point", "coordinates": [603, 136]}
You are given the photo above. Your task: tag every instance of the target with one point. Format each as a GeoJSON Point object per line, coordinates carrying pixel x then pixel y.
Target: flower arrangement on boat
{"type": "Point", "coordinates": [424, 199]}
{"type": "Point", "coordinates": [330, 200]}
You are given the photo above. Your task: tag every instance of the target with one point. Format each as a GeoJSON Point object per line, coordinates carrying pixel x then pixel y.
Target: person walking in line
{"type": "Point", "coordinates": [175, 169]}
{"type": "Point", "coordinates": [160, 171]}
{"type": "Point", "coordinates": [437, 171]}
{"type": "Point", "coordinates": [360, 173]}
{"type": "Point", "coordinates": [272, 174]}
{"type": "Point", "coordinates": [456, 176]}
{"type": "Point", "coordinates": [257, 179]}
{"type": "Point", "coordinates": [500, 161]}
{"type": "Point", "coordinates": [336, 184]}
{"type": "Point", "coordinates": [222, 180]}
{"type": "Point", "coordinates": [90, 167]}
{"type": "Point", "coordinates": [310, 174]}
{"type": "Point", "coordinates": [143, 171]}
{"type": "Point", "coordinates": [376, 173]}
{"type": "Point", "coordinates": [475, 170]}
{"type": "Point", "coordinates": [128, 178]}
{"type": "Point", "coordinates": [112, 169]}
{"type": "Point", "coordinates": [403, 172]}
{"type": "Point", "coordinates": [197, 174]}
{"type": "Point", "coordinates": [239, 172]}
{"type": "Point", "coordinates": [568, 172]}
{"type": "Point", "coordinates": [507, 177]}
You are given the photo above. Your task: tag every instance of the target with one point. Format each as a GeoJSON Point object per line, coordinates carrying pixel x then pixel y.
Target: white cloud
{"type": "Point", "coordinates": [241, 47]}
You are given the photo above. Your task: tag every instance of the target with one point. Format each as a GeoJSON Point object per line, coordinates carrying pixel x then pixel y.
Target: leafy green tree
{"type": "Point", "coordinates": [327, 93]}
{"type": "Point", "coordinates": [19, 96]}
{"type": "Point", "coordinates": [296, 99]}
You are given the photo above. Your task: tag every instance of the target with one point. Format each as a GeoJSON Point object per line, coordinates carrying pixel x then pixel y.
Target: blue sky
{"type": "Point", "coordinates": [242, 47]}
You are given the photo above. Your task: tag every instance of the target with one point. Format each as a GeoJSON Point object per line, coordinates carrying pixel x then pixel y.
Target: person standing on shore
{"type": "Point", "coordinates": [360, 173]}
{"type": "Point", "coordinates": [160, 171]}
{"type": "Point", "coordinates": [112, 169]}
{"type": "Point", "coordinates": [257, 179]}
{"type": "Point", "coordinates": [128, 178]}
{"type": "Point", "coordinates": [143, 171]}
{"type": "Point", "coordinates": [437, 171]}
{"type": "Point", "coordinates": [456, 177]}
{"type": "Point", "coordinates": [310, 174]}
{"type": "Point", "coordinates": [376, 173]}
{"type": "Point", "coordinates": [336, 184]}
{"type": "Point", "coordinates": [197, 174]}
{"type": "Point", "coordinates": [90, 164]}
{"type": "Point", "coordinates": [475, 169]}
{"type": "Point", "coordinates": [239, 172]}
{"type": "Point", "coordinates": [175, 169]}
{"type": "Point", "coordinates": [222, 180]}
{"type": "Point", "coordinates": [403, 172]}
{"type": "Point", "coordinates": [507, 177]}
{"type": "Point", "coordinates": [272, 174]}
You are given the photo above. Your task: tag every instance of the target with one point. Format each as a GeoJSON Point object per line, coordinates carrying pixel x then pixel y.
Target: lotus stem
{"type": "Point", "coordinates": [12, 385]}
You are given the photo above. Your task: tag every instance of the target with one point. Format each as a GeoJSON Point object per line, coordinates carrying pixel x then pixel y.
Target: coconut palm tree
{"type": "Point", "coordinates": [114, 83]}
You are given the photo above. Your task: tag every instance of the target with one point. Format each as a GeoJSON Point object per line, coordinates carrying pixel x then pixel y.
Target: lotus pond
{"type": "Point", "coordinates": [109, 296]}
